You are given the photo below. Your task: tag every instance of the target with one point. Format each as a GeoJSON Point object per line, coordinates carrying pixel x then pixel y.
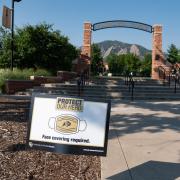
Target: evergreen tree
{"type": "Point", "coordinates": [146, 65]}
{"type": "Point", "coordinates": [97, 60]}
{"type": "Point", "coordinates": [173, 55]}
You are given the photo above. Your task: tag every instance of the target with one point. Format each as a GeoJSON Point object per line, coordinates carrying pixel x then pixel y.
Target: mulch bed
{"type": "Point", "coordinates": [19, 163]}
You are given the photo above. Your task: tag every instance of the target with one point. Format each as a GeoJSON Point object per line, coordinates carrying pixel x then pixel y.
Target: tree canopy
{"type": "Point", "coordinates": [173, 54]}
{"type": "Point", "coordinates": [97, 60]}
{"type": "Point", "coordinates": [38, 46]}
{"type": "Point", "coordinates": [126, 63]}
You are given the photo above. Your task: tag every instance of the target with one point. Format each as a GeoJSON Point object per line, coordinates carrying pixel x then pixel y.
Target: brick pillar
{"type": "Point", "coordinates": [157, 53]}
{"type": "Point", "coordinates": [86, 49]}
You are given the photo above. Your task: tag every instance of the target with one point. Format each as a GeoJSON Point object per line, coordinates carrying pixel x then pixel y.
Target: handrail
{"type": "Point", "coordinates": [129, 81]}
{"type": "Point", "coordinates": [81, 82]}
{"type": "Point", "coordinates": [175, 75]}
{"type": "Point", "coordinates": [169, 76]}
{"type": "Point", "coordinates": [164, 75]}
{"type": "Point", "coordinates": [126, 79]}
{"type": "Point", "coordinates": [176, 81]}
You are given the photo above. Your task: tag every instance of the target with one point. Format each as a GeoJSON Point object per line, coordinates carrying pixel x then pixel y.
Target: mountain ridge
{"type": "Point", "coordinates": [117, 47]}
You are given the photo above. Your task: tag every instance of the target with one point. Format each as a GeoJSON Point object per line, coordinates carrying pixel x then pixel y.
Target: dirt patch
{"type": "Point", "coordinates": [16, 162]}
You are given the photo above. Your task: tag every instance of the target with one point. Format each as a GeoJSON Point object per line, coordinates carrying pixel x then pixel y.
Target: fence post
{"type": "Point", "coordinates": [175, 84]}
{"type": "Point", "coordinates": [132, 91]}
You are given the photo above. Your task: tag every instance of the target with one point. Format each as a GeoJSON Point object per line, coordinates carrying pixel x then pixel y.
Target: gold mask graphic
{"type": "Point", "coordinates": [67, 124]}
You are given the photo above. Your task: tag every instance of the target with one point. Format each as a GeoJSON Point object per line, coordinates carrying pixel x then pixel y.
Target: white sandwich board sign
{"type": "Point", "coordinates": [69, 125]}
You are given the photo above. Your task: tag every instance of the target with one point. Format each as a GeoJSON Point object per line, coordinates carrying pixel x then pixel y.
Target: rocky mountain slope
{"type": "Point", "coordinates": [117, 47]}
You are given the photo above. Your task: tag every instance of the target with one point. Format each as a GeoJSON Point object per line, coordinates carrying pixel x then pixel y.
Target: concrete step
{"type": "Point", "coordinates": [137, 96]}
{"type": "Point", "coordinates": [117, 90]}
{"type": "Point", "coordinates": [110, 93]}
{"type": "Point", "coordinates": [113, 88]}
{"type": "Point", "coordinates": [104, 86]}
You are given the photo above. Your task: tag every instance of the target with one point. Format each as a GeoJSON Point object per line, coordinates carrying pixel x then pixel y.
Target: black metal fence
{"type": "Point", "coordinates": [129, 81]}
{"type": "Point", "coordinates": [82, 81]}
{"type": "Point", "coordinates": [170, 78]}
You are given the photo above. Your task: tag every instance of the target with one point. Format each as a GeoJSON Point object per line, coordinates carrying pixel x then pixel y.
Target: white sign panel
{"type": "Point", "coordinates": [69, 125]}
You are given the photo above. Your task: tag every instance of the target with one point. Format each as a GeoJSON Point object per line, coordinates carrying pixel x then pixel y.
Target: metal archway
{"type": "Point", "coordinates": [122, 23]}
{"type": "Point", "coordinates": [156, 30]}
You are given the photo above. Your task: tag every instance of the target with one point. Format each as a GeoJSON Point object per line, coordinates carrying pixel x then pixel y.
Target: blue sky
{"type": "Point", "coordinates": [68, 16]}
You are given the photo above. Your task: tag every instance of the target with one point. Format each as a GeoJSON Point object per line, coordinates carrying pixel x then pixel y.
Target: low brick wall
{"type": "Point", "coordinates": [13, 86]}
{"type": "Point", "coordinates": [38, 80]}
{"type": "Point", "coordinates": [66, 75]}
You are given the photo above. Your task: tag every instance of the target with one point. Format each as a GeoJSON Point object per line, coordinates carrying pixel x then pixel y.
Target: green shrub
{"type": "Point", "coordinates": [24, 74]}
{"type": "Point", "coordinates": [38, 46]}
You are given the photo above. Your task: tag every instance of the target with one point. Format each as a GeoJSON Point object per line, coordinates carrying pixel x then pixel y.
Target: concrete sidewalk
{"type": "Point", "coordinates": [144, 141]}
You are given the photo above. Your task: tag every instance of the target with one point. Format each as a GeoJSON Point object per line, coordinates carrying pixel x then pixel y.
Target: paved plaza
{"type": "Point", "coordinates": [144, 141]}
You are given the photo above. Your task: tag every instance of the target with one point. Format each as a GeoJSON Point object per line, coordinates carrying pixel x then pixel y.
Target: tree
{"type": "Point", "coordinates": [132, 63]}
{"type": "Point", "coordinates": [97, 60]}
{"type": "Point", "coordinates": [173, 55]}
{"type": "Point", "coordinates": [146, 65]}
{"type": "Point", "coordinates": [123, 64]}
{"type": "Point", "coordinates": [3, 34]}
{"type": "Point", "coordinates": [116, 64]}
{"type": "Point", "coordinates": [5, 46]}
{"type": "Point", "coordinates": [178, 56]}
{"type": "Point", "coordinates": [39, 47]}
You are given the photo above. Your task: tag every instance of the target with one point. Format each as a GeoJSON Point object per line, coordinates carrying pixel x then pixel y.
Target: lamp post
{"type": "Point", "coordinates": [12, 34]}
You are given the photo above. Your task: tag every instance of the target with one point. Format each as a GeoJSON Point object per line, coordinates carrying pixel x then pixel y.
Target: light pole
{"type": "Point", "coordinates": [12, 34]}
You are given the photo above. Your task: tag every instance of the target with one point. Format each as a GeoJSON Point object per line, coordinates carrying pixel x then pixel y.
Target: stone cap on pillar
{"type": "Point", "coordinates": [157, 28]}
{"type": "Point", "coordinates": [87, 22]}
{"type": "Point", "coordinates": [87, 25]}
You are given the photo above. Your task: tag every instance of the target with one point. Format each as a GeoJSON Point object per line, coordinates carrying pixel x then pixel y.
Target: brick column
{"type": "Point", "coordinates": [157, 53]}
{"type": "Point", "coordinates": [86, 49]}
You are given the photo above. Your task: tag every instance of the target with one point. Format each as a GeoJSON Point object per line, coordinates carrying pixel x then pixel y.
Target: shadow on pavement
{"type": "Point", "coordinates": [151, 170]}
{"type": "Point", "coordinates": [155, 121]}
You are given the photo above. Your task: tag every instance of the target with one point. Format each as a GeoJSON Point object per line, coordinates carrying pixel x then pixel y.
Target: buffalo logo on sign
{"type": "Point", "coordinates": [67, 124]}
